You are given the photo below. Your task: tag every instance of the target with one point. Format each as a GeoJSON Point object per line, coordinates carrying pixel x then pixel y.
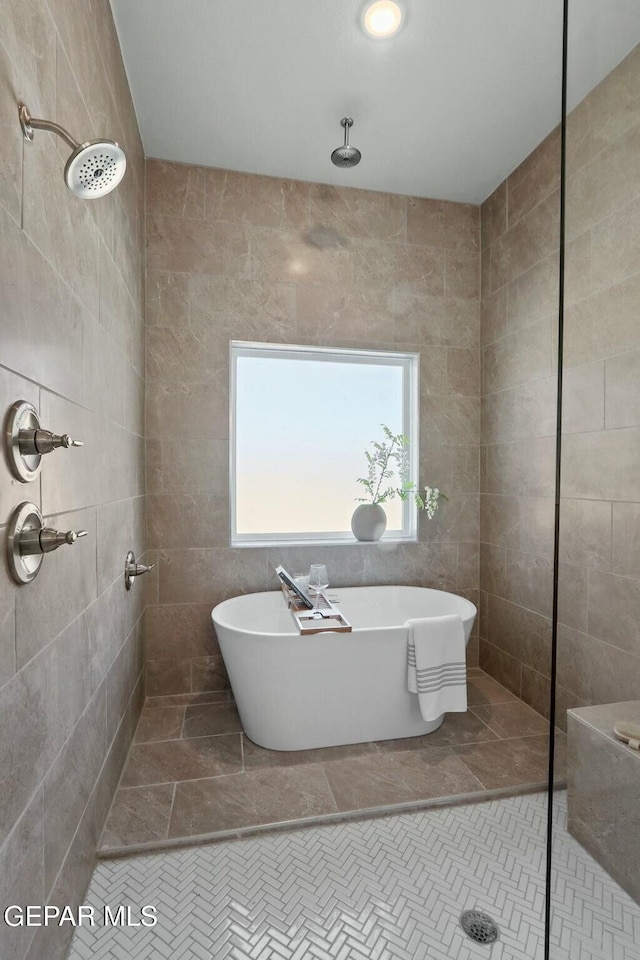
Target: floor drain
{"type": "Point", "coordinates": [479, 927]}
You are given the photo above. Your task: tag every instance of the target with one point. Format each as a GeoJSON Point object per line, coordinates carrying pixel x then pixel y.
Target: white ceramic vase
{"type": "Point", "coordinates": [369, 522]}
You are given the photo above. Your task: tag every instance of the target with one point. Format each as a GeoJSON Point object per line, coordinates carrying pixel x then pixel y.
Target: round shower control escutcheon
{"type": "Point", "coordinates": [26, 442]}
{"type": "Point", "coordinates": [28, 540]}
{"type": "Point", "coordinates": [25, 522]}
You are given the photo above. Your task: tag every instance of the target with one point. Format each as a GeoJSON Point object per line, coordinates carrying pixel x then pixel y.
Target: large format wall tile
{"type": "Point", "coordinates": [8, 592]}
{"type": "Point", "coordinates": [70, 479]}
{"type": "Point", "coordinates": [196, 246]}
{"type": "Point", "coordinates": [597, 671]}
{"type": "Point", "coordinates": [585, 456]}
{"type": "Point", "coordinates": [114, 537]}
{"type": "Point", "coordinates": [189, 410]}
{"type": "Point", "coordinates": [231, 305]}
{"type": "Point", "coordinates": [537, 177]}
{"type": "Point", "coordinates": [72, 328]}
{"type": "Point", "coordinates": [622, 391]}
{"type": "Point", "coordinates": [583, 398]}
{"type": "Point", "coordinates": [598, 597]}
{"type": "Point", "coordinates": [603, 324]}
{"type": "Point", "coordinates": [40, 707]}
{"type": "Point", "coordinates": [176, 189]}
{"type": "Point", "coordinates": [422, 269]}
{"type": "Point", "coordinates": [60, 227]}
{"type": "Point", "coordinates": [518, 358]}
{"type": "Point", "coordinates": [210, 575]}
{"type": "Point", "coordinates": [533, 294]}
{"type": "Point", "coordinates": [439, 223]}
{"type": "Point", "coordinates": [350, 213]}
{"type": "Point", "coordinates": [71, 780]}
{"type": "Point", "coordinates": [12, 492]}
{"type": "Point", "coordinates": [326, 266]}
{"type": "Point", "coordinates": [190, 624]}
{"type": "Point", "coordinates": [22, 875]}
{"type": "Point", "coordinates": [626, 539]}
{"type": "Point", "coordinates": [187, 467]}
{"type": "Point", "coordinates": [263, 201]}
{"type": "Point", "coordinates": [527, 411]}
{"type": "Point", "coordinates": [26, 743]}
{"type": "Point", "coordinates": [586, 533]}
{"type": "Point", "coordinates": [532, 238]}
{"type": "Point", "coordinates": [177, 354]}
{"type": "Point", "coordinates": [328, 314]}
{"type": "Point", "coordinates": [603, 782]}
{"type": "Point", "coordinates": [520, 632]}
{"type": "Point", "coordinates": [53, 942]}
{"type": "Point", "coordinates": [494, 215]}
{"type": "Point", "coordinates": [615, 244]}
{"type": "Point", "coordinates": [65, 586]}
{"type": "Point", "coordinates": [41, 320]}
{"type": "Point", "coordinates": [614, 610]}
{"type": "Point", "coordinates": [521, 468]}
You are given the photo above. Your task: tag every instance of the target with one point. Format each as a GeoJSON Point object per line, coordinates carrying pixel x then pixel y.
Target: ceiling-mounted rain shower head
{"type": "Point", "coordinates": [346, 156]}
{"type": "Point", "coordinates": [93, 169]}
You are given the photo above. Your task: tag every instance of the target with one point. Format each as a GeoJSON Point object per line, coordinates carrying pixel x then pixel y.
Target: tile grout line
{"type": "Point", "coordinates": [330, 788]}
{"type": "Point", "coordinates": [171, 808]}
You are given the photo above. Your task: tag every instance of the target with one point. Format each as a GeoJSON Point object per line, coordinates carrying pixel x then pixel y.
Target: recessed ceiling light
{"type": "Point", "coordinates": [382, 18]}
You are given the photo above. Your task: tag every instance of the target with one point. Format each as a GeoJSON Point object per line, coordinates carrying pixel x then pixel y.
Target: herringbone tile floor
{"type": "Point", "coordinates": [384, 889]}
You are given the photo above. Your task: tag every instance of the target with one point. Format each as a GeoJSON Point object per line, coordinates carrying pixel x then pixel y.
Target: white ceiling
{"type": "Point", "coordinates": [446, 109]}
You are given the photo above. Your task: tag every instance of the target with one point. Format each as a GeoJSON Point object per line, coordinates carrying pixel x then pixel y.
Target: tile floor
{"type": "Point", "coordinates": [391, 888]}
{"type": "Point", "coordinates": [192, 773]}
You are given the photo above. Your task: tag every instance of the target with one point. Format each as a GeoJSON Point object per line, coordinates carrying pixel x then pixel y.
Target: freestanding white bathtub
{"type": "Point", "coordinates": [299, 692]}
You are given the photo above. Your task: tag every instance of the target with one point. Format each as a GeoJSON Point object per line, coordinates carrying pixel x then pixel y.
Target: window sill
{"type": "Point", "coordinates": [334, 542]}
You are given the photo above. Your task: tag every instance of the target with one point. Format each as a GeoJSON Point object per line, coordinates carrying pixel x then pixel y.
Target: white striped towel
{"type": "Point", "coordinates": [436, 667]}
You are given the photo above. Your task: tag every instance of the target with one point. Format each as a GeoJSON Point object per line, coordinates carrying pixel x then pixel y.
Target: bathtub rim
{"type": "Point", "coordinates": [472, 610]}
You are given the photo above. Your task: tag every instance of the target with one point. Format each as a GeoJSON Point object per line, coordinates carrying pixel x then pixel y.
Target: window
{"type": "Point", "coordinates": [301, 420]}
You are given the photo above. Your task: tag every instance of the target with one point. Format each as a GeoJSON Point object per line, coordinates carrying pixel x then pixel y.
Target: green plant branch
{"type": "Point", "coordinates": [381, 468]}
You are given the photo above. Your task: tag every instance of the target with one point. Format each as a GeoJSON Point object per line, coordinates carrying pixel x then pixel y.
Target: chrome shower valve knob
{"type": "Point", "coordinates": [43, 441]}
{"type": "Point", "coordinates": [26, 442]}
{"type": "Point", "coordinates": [28, 540]}
{"type": "Point", "coordinates": [47, 540]}
{"type": "Point", "coordinates": [134, 569]}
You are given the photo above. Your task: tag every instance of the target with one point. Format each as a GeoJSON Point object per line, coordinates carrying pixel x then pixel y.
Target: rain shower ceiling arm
{"type": "Point", "coordinates": [346, 155]}
{"type": "Point", "coordinates": [29, 124]}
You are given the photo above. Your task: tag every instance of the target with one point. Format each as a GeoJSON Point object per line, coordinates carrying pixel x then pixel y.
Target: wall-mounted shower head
{"type": "Point", "coordinates": [346, 156]}
{"type": "Point", "coordinates": [93, 169]}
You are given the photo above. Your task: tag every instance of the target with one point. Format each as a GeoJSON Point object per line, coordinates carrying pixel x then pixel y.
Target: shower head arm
{"type": "Point", "coordinates": [346, 122]}
{"type": "Point", "coordinates": [29, 124]}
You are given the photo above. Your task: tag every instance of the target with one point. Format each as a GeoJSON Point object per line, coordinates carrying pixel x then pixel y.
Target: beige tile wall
{"type": "Point", "coordinates": [603, 784]}
{"type": "Point", "coordinates": [599, 644]}
{"type": "Point", "coordinates": [599, 602]}
{"type": "Point", "coordinates": [72, 342]}
{"type": "Point", "coordinates": [519, 263]}
{"type": "Point", "coordinates": [236, 256]}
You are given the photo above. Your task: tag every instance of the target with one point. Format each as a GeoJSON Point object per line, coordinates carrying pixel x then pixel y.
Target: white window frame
{"type": "Point", "coordinates": [410, 365]}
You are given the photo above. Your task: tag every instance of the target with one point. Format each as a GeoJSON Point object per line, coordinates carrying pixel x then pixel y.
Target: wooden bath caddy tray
{"type": "Point", "coordinates": [332, 620]}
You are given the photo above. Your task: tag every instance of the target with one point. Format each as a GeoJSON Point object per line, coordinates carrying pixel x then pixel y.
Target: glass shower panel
{"type": "Point", "coordinates": [595, 878]}
{"type": "Point", "coordinates": [520, 260]}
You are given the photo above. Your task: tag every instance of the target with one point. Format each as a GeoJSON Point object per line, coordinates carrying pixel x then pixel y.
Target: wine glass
{"type": "Point", "coordinates": [318, 581]}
